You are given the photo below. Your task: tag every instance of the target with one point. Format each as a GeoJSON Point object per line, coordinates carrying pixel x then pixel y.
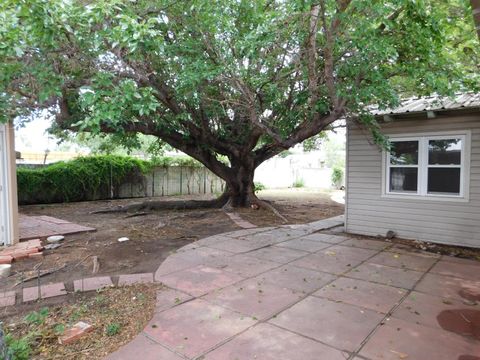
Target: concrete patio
{"type": "Point", "coordinates": [305, 293]}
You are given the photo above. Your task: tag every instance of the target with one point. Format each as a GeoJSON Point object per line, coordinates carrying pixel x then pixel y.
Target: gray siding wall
{"type": "Point", "coordinates": [440, 221]}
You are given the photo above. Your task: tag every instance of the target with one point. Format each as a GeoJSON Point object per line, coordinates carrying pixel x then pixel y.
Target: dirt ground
{"type": "Point", "coordinates": [156, 235]}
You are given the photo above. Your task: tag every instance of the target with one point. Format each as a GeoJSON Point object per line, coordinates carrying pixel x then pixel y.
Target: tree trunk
{"type": "Point", "coordinates": [240, 186]}
{"type": "Point", "coordinates": [239, 192]}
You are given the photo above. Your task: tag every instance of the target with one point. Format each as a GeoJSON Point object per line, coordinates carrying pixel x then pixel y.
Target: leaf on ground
{"type": "Point", "coordinates": [399, 354]}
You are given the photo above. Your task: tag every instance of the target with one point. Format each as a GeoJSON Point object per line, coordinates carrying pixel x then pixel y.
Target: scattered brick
{"type": "Point", "coordinates": [35, 255]}
{"type": "Point", "coordinates": [22, 254]}
{"type": "Point", "coordinates": [6, 259]}
{"type": "Point", "coordinates": [77, 331]}
{"type": "Point", "coordinates": [21, 251]}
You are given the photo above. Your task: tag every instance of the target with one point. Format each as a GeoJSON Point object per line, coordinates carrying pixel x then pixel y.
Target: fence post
{"type": "Point", "coordinates": [153, 183]}
{"type": "Point", "coordinates": [181, 180]}
{"type": "Point", "coordinates": [204, 180]}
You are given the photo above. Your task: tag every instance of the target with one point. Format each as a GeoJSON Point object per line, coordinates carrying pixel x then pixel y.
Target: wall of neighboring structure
{"type": "Point", "coordinates": [370, 212]}
{"type": "Point", "coordinates": [9, 182]}
{"type": "Point", "coordinates": [307, 168]}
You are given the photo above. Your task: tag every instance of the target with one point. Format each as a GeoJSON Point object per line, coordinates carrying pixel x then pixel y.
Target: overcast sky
{"type": "Point", "coordinates": [34, 137]}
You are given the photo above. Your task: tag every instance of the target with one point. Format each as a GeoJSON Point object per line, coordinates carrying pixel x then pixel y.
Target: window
{"type": "Point", "coordinates": [429, 166]}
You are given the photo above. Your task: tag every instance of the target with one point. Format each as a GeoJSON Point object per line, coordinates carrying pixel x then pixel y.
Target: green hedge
{"type": "Point", "coordinates": [85, 178]}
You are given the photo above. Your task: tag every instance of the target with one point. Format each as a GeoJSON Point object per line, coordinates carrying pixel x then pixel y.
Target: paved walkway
{"type": "Point", "coordinates": [296, 293]}
{"type": "Point", "coordinates": [35, 227]}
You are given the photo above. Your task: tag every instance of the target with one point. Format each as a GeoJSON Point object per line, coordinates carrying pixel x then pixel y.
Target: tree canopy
{"type": "Point", "coordinates": [245, 79]}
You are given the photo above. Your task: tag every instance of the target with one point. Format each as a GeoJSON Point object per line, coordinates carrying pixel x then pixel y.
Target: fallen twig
{"type": "Point", "coordinates": [82, 261]}
{"type": "Point", "coordinates": [40, 274]}
{"type": "Point", "coordinates": [137, 214]}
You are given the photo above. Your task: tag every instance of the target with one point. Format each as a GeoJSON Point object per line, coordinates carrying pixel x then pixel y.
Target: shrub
{"type": "Point", "coordinates": [81, 179]}
{"type": "Point", "coordinates": [337, 177]}
{"type": "Point", "coordinates": [259, 187]}
{"type": "Point", "coordinates": [299, 183]}
{"type": "Point", "coordinates": [166, 161]}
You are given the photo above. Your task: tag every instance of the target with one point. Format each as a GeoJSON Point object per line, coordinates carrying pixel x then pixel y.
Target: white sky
{"type": "Point", "coordinates": [34, 137]}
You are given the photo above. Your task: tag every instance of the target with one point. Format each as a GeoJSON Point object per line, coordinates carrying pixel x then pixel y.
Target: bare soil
{"type": "Point", "coordinates": [153, 236]}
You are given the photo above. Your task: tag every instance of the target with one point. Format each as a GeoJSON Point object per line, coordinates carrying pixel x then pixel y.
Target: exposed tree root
{"type": "Point", "coordinates": [266, 204]}
{"type": "Point", "coordinates": [254, 200]}
{"type": "Point", "coordinates": [146, 206]}
{"type": "Point", "coordinates": [137, 214]}
{"type": "Point", "coordinates": [224, 202]}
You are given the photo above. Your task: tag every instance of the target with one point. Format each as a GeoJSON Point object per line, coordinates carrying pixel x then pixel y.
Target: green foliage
{"type": "Point", "coordinates": [337, 177]}
{"type": "Point", "coordinates": [299, 183]}
{"type": "Point", "coordinates": [77, 180]}
{"type": "Point", "coordinates": [59, 329]}
{"type": "Point", "coordinates": [112, 329]}
{"type": "Point", "coordinates": [167, 161]}
{"type": "Point", "coordinates": [17, 349]}
{"type": "Point", "coordinates": [334, 150]}
{"type": "Point", "coordinates": [314, 142]}
{"type": "Point", "coordinates": [242, 79]}
{"type": "Point", "coordinates": [37, 317]}
{"type": "Point", "coordinates": [285, 153]}
{"type": "Point", "coordinates": [146, 146]}
{"type": "Point", "coordinates": [259, 187]}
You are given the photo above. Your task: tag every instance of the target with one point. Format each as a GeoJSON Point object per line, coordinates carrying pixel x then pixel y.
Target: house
{"type": "Point", "coordinates": [428, 186]}
{"type": "Point", "coordinates": [8, 187]}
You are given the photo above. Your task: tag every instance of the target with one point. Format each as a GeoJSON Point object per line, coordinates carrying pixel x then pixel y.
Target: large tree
{"type": "Point", "coordinates": [241, 80]}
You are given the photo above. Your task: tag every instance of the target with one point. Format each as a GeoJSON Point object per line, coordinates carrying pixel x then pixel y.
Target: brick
{"type": "Point", "coordinates": [22, 254]}
{"type": "Point", "coordinates": [76, 332]}
{"type": "Point", "coordinates": [90, 284]}
{"type": "Point", "coordinates": [130, 279]}
{"type": "Point", "coordinates": [6, 259]}
{"type": "Point", "coordinates": [35, 255]}
{"type": "Point", "coordinates": [7, 298]}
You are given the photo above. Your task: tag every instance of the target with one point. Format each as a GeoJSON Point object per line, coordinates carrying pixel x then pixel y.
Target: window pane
{"type": "Point", "coordinates": [445, 152]}
{"type": "Point", "coordinates": [403, 179]}
{"type": "Point", "coordinates": [404, 153]}
{"type": "Point", "coordinates": [444, 180]}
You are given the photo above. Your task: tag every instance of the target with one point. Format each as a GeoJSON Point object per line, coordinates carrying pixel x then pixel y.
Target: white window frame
{"type": "Point", "coordinates": [423, 166]}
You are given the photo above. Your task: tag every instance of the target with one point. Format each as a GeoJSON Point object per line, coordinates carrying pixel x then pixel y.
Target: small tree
{"type": "Point", "coordinates": [337, 177]}
{"type": "Point", "coordinates": [241, 80]}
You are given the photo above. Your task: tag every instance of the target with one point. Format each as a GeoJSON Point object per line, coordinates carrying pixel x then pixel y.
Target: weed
{"type": "Point", "coordinates": [59, 329]}
{"type": "Point", "coordinates": [100, 299]}
{"type": "Point", "coordinates": [17, 349]}
{"type": "Point", "coordinates": [112, 329]}
{"type": "Point", "coordinates": [37, 318]}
